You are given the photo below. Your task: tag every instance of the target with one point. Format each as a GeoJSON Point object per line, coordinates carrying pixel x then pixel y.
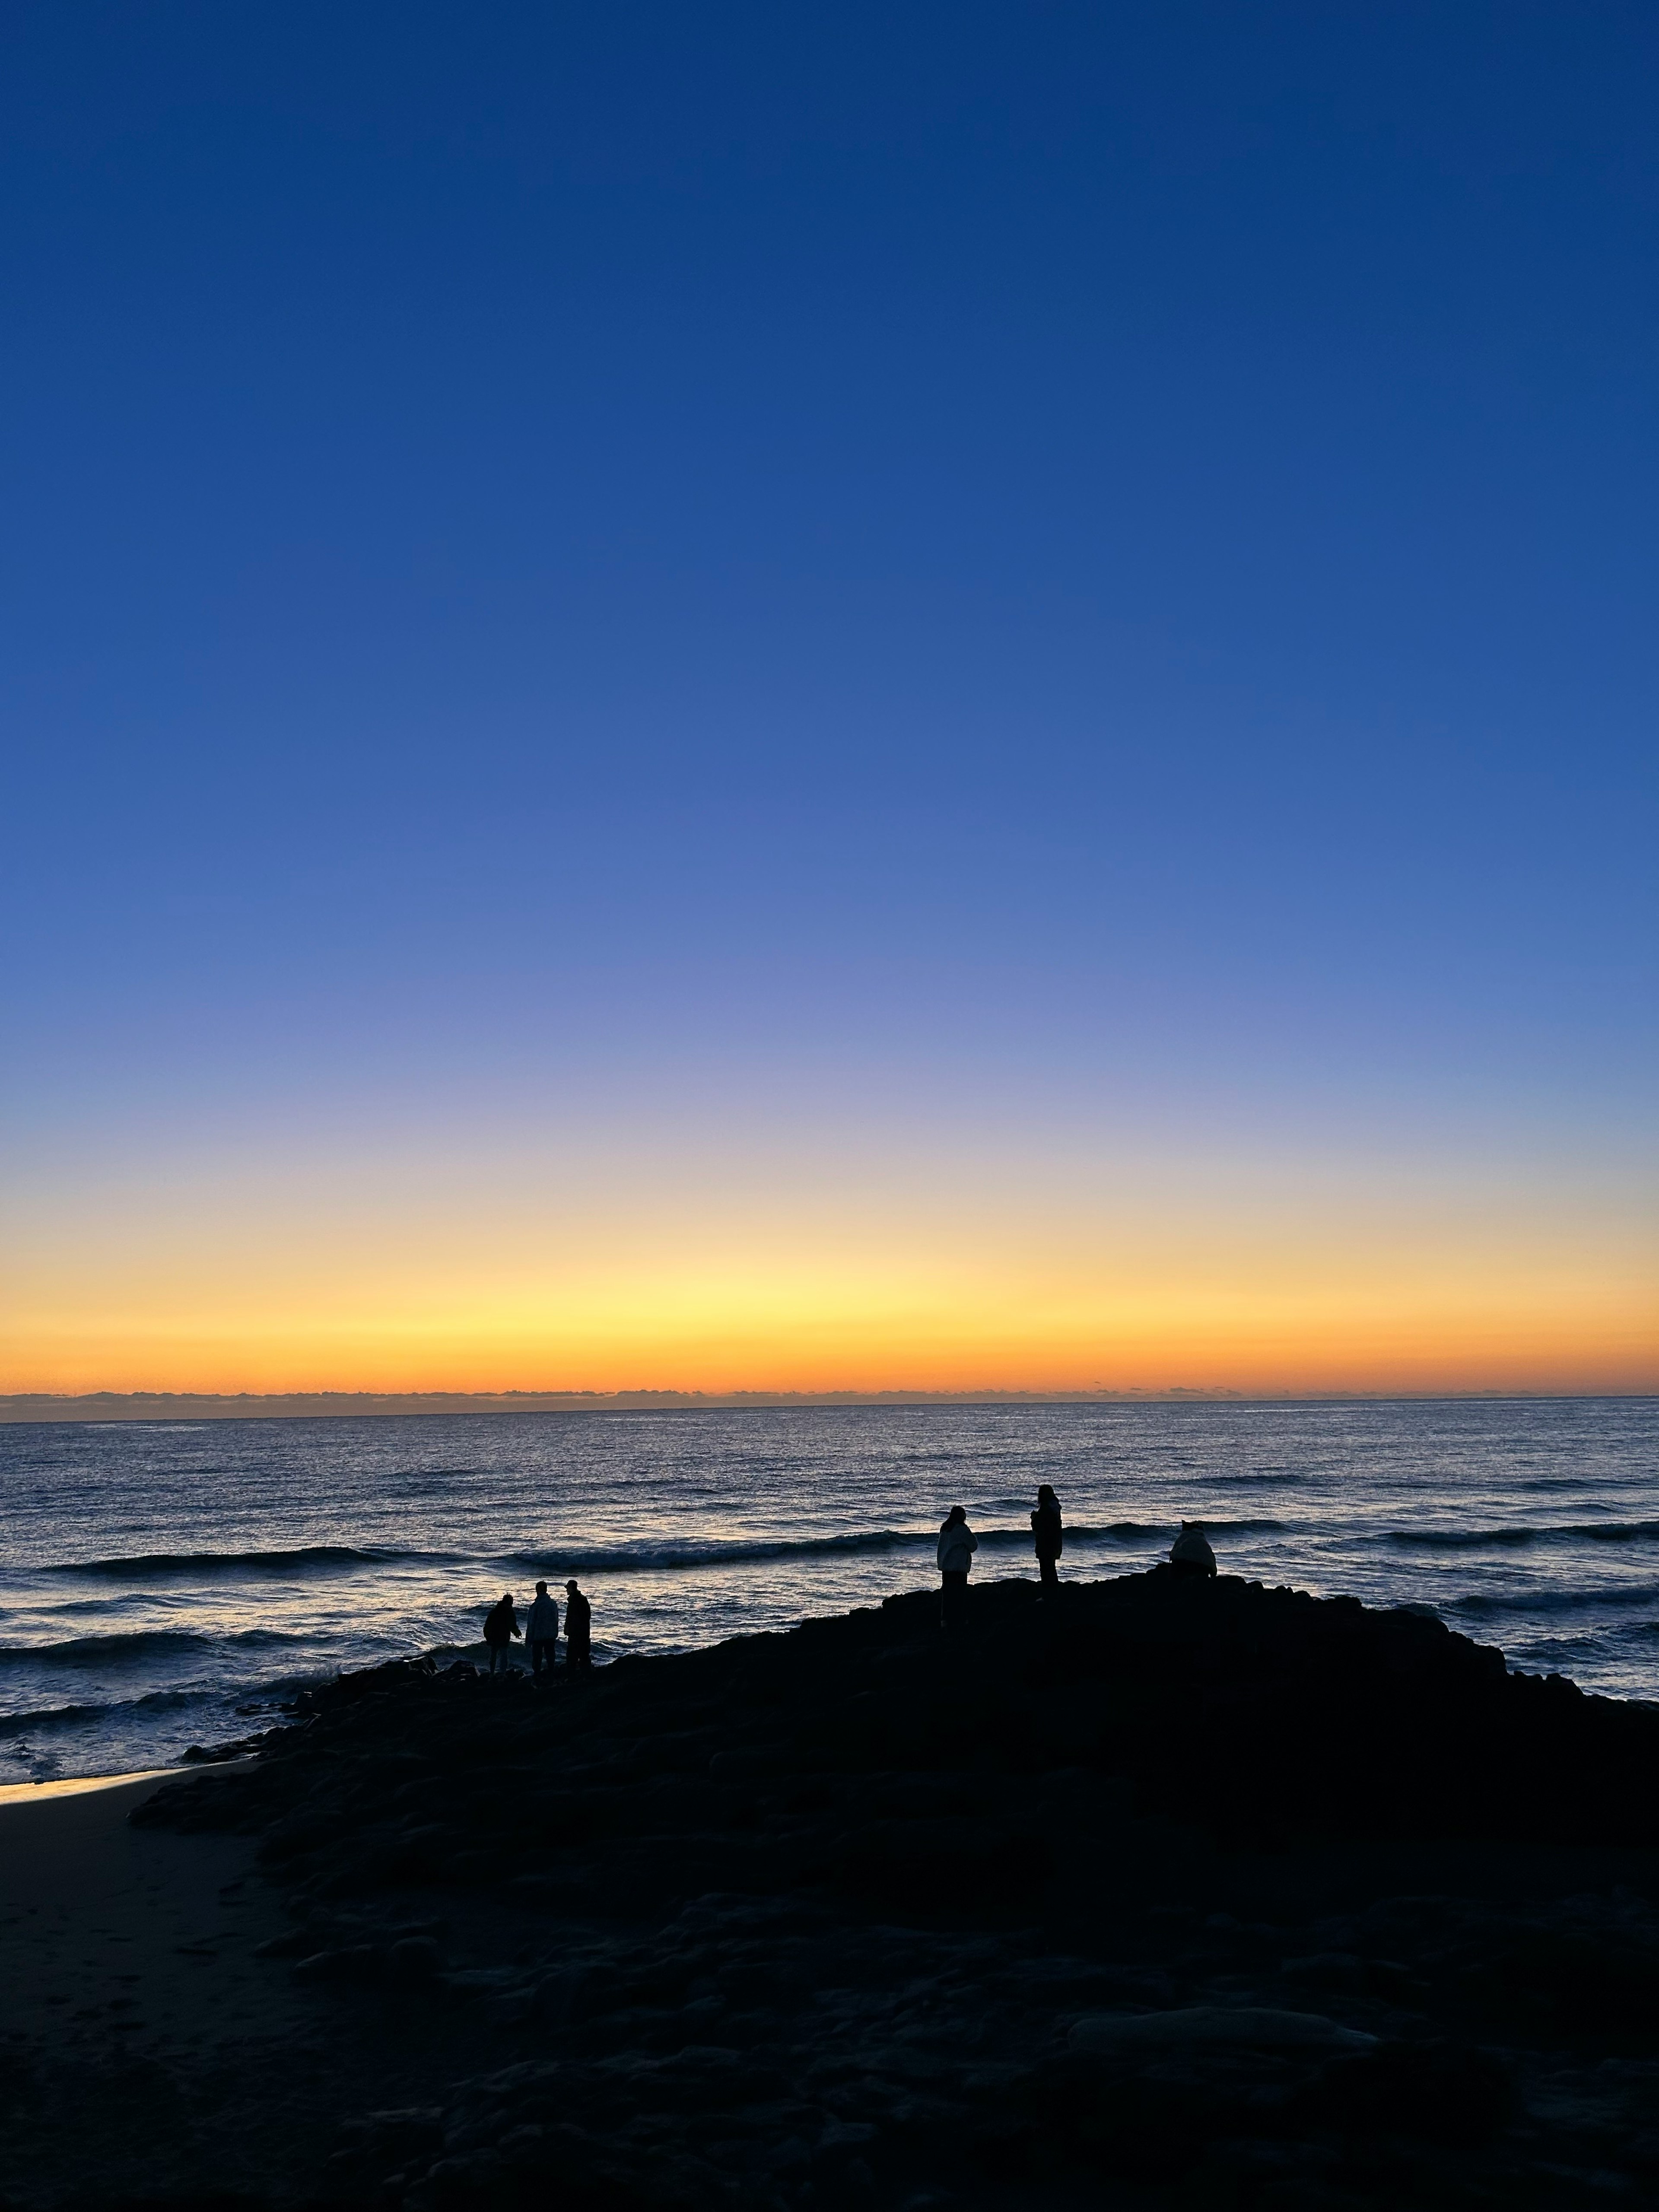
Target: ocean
{"type": "Point", "coordinates": [170, 1584]}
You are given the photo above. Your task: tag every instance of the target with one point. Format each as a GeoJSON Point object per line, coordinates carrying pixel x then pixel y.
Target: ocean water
{"type": "Point", "coordinates": [164, 1584]}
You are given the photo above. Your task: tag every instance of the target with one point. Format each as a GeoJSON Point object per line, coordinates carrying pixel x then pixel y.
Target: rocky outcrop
{"type": "Point", "coordinates": [1168, 1893]}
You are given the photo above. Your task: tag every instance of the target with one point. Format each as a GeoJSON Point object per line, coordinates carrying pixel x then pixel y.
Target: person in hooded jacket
{"type": "Point", "coordinates": [578, 1628]}
{"type": "Point", "coordinates": [1049, 1537]}
{"type": "Point", "coordinates": [542, 1630]}
{"type": "Point", "coordinates": [1190, 1554]}
{"type": "Point", "coordinates": [500, 1626]}
{"type": "Point", "coordinates": [956, 1547]}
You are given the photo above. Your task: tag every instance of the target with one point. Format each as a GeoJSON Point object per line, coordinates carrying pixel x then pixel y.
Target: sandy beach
{"type": "Point", "coordinates": [130, 2000]}
{"type": "Point", "coordinates": [1163, 1896]}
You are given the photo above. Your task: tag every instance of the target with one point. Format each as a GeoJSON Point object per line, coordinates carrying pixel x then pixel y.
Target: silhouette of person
{"type": "Point", "coordinates": [1049, 1536]}
{"type": "Point", "coordinates": [578, 1628]}
{"type": "Point", "coordinates": [956, 1547]}
{"type": "Point", "coordinates": [500, 1626]}
{"type": "Point", "coordinates": [542, 1630]}
{"type": "Point", "coordinates": [1190, 1554]}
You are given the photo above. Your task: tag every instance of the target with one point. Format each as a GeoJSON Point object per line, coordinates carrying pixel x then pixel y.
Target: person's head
{"type": "Point", "coordinates": [571, 1587]}
{"type": "Point", "coordinates": [541, 1589]}
{"type": "Point", "coordinates": [1045, 1494]}
{"type": "Point", "coordinates": [957, 1513]}
{"type": "Point", "coordinates": [507, 1597]}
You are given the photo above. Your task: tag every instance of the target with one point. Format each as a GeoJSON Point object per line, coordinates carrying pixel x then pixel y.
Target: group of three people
{"type": "Point", "coordinates": [1190, 1553]}
{"type": "Point", "coordinates": [541, 1632]}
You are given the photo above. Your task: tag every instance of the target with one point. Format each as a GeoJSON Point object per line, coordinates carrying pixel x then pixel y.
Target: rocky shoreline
{"type": "Point", "coordinates": [1170, 1893]}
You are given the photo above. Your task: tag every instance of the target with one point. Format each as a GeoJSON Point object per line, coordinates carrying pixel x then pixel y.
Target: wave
{"type": "Point", "coordinates": [1460, 1540]}
{"type": "Point", "coordinates": [1566, 1532]}
{"type": "Point", "coordinates": [135, 1646]}
{"type": "Point", "coordinates": [303, 1557]}
{"type": "Point", "coordinates": [646, 1553]}
{"type": "Point", "coordinates": [693, 1552]}
{"type": "Point", "coordinates": [1117, 1532]}
{"type": "Point", "coordinates": [58, 1717]}
{"type": "Point", "coordinates": [704, 1552]}
{"type": "Point", "coordinates": [1610, 1598]}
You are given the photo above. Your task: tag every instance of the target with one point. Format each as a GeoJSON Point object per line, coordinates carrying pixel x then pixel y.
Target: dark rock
{"type": "Point", "coordinates": [1440, 2091]}
{"type": "Point", "coordinates": [356, 1962]}
{"type": "Point", "coordinates": [1170, 1894]}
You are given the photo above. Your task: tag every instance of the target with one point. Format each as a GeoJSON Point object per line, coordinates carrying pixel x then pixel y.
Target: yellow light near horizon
{"type": "Point", "coordinates": [839, 1329]}
{"type": "Point", "coordinates": [957, 1275]}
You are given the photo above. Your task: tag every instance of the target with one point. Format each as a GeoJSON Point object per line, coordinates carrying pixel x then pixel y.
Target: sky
{"type": "Point", "coordinates": [950, 697]}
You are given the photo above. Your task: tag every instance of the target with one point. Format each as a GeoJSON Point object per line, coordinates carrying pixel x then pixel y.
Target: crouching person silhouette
{"type": "Point", "coordinates": [1190, 1554]}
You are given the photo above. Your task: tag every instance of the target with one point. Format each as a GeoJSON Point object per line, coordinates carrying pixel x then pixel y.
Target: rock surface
{"type": "Point", "coordinates": [1165, 1895]}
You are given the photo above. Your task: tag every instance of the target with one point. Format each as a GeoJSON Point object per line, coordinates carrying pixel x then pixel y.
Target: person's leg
{"type": "Point", "coordinates": [1050, 1576]}
{"type": "Point", "coordinates": [953, 1597]}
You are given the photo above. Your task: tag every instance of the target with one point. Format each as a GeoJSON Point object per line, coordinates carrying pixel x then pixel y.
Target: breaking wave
{"type": "Point", "coordinates": [1604, 1599]}
{"type": "Point", "coordinates": [59, 1717]}
{"type": "Point", "coordinates": [303, 1559]}
{"type": "Point", "coordinates": [701, 1552]}
{"type": "Point", "coordinates": [1566, 1532]}
{"type": "Point", "coordinates": [133, 1647]}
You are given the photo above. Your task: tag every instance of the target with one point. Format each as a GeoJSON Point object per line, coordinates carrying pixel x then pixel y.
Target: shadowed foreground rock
{"type": "Point", "coordinates": [1166, 1894]}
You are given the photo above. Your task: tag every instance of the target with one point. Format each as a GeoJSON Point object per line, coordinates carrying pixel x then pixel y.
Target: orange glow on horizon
{"type": "Point", "coordinates": [1268, 1279]}
{"type": "Point", "coordinates": [721, 1335]}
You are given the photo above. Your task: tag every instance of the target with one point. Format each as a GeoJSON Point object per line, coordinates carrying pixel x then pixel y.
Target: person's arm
{"type": "Point", "coordinates": [513, 1626]}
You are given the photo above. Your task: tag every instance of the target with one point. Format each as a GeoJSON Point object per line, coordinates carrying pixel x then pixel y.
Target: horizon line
{"type": "Point", "coordinates": [22, 1406]}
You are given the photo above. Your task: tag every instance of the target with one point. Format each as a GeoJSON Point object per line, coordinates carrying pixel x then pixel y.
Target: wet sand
{"type": "Point", "coordinates": [1165, 1896]}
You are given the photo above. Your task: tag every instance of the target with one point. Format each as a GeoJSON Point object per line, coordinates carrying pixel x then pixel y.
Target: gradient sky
{"type": "Point", "coordinates": [829, 697]}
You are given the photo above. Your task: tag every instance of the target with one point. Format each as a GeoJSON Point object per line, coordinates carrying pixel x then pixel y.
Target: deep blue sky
{"type": "Point", "coordinates": [985, 554]}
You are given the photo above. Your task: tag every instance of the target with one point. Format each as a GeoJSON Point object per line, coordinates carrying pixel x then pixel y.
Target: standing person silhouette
{"type": "Point", "coordinates": [578, 1628]}
{"type": "Point", "coordinates": [542, 1631]}
{"type": "Point", "coordinates": [1050, 1538]}
{"type": "Point", "coordinates": [500, 1626]}
{"type": "Point", "coordinates": [956, 1547]}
